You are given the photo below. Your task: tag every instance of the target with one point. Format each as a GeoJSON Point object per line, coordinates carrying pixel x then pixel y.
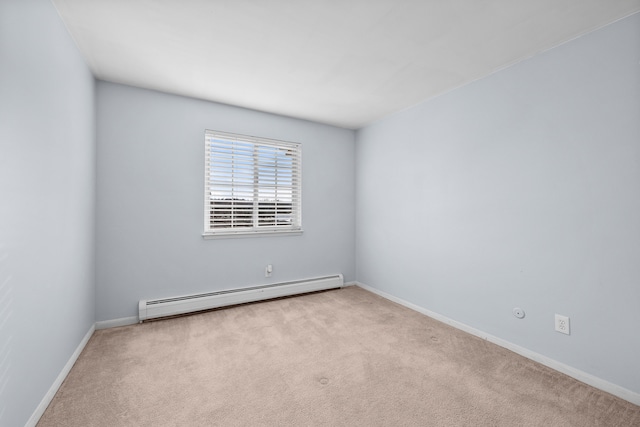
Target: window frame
{"type": "Point", "coordinates": [257, 175]}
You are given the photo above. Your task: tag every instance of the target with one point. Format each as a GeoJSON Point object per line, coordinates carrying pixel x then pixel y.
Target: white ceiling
{"type": "Point", "coordinates": [341, 62]}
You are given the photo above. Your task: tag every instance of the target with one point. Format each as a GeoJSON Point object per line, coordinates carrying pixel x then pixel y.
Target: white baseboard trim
{"type": "Point", "coordinates": [579, 375]}
{"type": "Point", "coordinates": [35, 417]}
{"type": "Point", "coordinates": [354, 283]}
{"type": "Point", "coordinates": [114, 323]}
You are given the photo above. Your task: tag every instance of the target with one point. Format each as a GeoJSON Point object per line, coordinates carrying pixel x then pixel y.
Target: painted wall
{"type": "Point", "coordinates": [150, 195]}
{"type": "Point", "coordinates": [520, 189]}
{"type": "Point", "coordinates": [47, 182]}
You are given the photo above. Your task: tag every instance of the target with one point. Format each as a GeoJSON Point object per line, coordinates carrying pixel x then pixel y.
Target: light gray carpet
{"type": "Point", "coordinates": [339, 358]}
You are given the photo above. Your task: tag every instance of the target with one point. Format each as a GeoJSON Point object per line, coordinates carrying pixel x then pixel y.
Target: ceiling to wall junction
{"type": "Point", "coordinates": [341, 62]}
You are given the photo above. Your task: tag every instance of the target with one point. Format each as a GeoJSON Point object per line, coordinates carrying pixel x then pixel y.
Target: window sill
{"type": "Point", "coordinates": [244, 234]}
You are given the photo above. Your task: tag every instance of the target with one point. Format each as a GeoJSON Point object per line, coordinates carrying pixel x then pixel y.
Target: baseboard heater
{"type": "Point", "coordinates": [153, 309]}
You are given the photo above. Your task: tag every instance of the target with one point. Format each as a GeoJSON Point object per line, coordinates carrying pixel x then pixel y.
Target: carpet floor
{"type": "Point", "coordinates": [338, 358]}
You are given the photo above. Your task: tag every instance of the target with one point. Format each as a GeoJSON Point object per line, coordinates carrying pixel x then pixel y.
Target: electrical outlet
{"type": "Point", "coordinates": [518, 312]}
{"type": "Point", "coordinates": [562, 324]}
{"type": "Point", "coordinates": [268, 270]}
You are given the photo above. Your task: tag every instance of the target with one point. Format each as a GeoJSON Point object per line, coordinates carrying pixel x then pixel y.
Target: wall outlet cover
{"type": "Point", "coordinates": [562, 324]}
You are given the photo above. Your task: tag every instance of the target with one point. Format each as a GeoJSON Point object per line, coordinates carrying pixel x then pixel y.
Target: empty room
{"type": "Point", "coordinates": [331, 213]}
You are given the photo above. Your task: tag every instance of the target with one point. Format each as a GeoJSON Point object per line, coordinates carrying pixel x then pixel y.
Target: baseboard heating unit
{"type": "Point", "coordinates": [153, 309]}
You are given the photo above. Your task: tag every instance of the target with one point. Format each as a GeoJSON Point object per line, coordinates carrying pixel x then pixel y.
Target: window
{"type": "Point", "coordinates": [251, 185]}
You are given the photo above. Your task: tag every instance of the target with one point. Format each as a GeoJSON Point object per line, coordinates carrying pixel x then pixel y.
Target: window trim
{"type": "Point", "coordinates": [254, 230]}
{"type": "Point", "coordinates": [245, 234]}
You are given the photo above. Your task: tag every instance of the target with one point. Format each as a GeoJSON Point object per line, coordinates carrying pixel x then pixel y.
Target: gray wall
{"type": "Point", "coordinates": [150, 201]}
{"type": "Point", "coordinates": [47, 181]}
{"type": "Point", "coordinates": [520, 189]}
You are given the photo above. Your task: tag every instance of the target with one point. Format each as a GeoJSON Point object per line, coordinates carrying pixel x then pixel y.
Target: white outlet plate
{"type": "Point", "coordinates": [562, 324]}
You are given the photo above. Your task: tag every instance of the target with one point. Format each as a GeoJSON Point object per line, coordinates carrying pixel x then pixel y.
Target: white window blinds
{"type": "Point", "coordinates": [252, 185]}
